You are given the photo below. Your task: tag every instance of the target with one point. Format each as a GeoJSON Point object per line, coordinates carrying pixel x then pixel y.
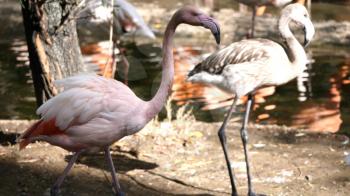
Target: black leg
{"type": "Point", "coordinates": [56, 186]}
{"type": "Point", "coordinates": [244, 137]}
{"type": "Point", "coordinates": [222, 137]}
{"type": "Point", "coordinates": [115, 182]}
{"type": "Point", "coordinates": [126, 68]}
{"type": "Point", "coordinates": [124, 60]}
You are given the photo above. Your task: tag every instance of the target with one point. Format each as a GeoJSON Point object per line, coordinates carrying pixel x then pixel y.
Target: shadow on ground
{"type": "Point", "coordinates": [90, 176]}
{"type": "Point", "coordinates": [174, 162]}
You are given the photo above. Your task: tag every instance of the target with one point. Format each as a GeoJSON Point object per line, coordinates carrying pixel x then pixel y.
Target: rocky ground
{"type": "Point", "coordinates": [183, 157]}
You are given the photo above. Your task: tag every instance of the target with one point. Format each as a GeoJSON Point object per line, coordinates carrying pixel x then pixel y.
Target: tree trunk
{"type": "Point", "coordinates": [52, 41]}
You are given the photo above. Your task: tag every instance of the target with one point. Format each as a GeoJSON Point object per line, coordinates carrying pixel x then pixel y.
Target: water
{"type": "Point", "coordinates": [327, 98]}
{"type": "Point", "coordinates": [322, 103]}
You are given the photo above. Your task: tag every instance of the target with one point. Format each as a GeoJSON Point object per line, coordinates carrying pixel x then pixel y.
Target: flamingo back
{"type": "Point", "coordinates": [92, 110]}
{"type": "Point", "coordinates": [239, 52]}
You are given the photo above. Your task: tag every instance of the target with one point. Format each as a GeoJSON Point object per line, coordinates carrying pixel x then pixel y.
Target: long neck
{"type": "Point", "coordinates": [296, 52]}
{"type": "Point", "coordinates": [158, 101]}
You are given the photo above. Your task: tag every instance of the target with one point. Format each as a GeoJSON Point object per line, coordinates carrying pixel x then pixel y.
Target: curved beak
{"type": "Point", "coordinates": [309, 32]}
{"type": "Point", "coordinates": [212, 25]}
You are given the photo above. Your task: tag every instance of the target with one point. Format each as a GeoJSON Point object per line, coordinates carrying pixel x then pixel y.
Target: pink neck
{"type": "Point", "coordinates": [158, 101]}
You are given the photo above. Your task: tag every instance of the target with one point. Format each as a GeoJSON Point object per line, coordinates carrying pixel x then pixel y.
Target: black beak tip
{"type": "Point", "coordinates": [217, 38]}
{"type": "Point", "coordinates": [306, 42]}
{"type": "Point", "coordinates": [213, 26]}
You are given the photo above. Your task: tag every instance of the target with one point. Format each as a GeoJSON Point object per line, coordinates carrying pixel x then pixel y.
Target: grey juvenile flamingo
{"type": "Point", "coordinates": [94, 112]}
{"type": "Point", "coordinates": [245, 66]}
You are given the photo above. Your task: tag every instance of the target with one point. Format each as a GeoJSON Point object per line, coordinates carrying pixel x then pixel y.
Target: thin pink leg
{"type": "Point", "coordinates": [253, 22]}
{"type": "Point", "coordinates": [56, 187]}
{"type": "Point", "coordinates": [115, 181]}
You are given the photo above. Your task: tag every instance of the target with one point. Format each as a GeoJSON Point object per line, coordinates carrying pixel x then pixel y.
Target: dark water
{"type": "Point", "coordinates": [322, 105]}
{"type": "Point", "coordinates": [325, 104]}
{"type": "Point", "coordinates": [321, 101]}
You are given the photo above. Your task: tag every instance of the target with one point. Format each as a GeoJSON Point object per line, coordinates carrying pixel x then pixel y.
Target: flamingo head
{"type": "Point", "coordinates": [298, 14]}
{"type": "Point", "coordinates": [193, 16]}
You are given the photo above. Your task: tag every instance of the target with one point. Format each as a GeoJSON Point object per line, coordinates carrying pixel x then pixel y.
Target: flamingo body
{"type": "Point", "coordinates": [92, 111]}
{"type": "Point", "coordinates": [252, 3]}
{"type": "Point", "coordinates": [246, 66]}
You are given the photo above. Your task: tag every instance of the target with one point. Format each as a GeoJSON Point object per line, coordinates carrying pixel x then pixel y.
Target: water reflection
{"type": "Point", "coordinates": [327, 110]}
{"type": "Point", "coordinates": [333, 113]}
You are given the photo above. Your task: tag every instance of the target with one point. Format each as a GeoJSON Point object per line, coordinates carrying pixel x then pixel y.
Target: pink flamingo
{"type": "Point", "coordinates": [255, 4]}
{"type": "Point", "coordinates": [93, 112]}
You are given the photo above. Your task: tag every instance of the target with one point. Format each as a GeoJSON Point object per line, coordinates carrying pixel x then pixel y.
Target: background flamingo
{"type": "Point", "coordinates": [96, 16]}
{"type": "Point", "coordinates": [258, 8]}
{"type": "Point", "coordinates": [93, 112]}
{"type": "Point", "coordinates": [125, 15]}
{"type": "Point", "coordinates": [243, 67]}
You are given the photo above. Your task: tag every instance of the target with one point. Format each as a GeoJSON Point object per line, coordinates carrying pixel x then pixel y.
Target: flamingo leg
{"type": "Point", "coordinates": [56, 186]}
{"type": "Point", "coordinates": [244, 137]}
{"type": "Point", "coordinates": [126, 68]}
{"type": "Point", "coordinates": [253, 22]}
{"type": "Point", "coordinates": [115, 182]}
{"type": "Point", "coordinates": [222, 137]}
{"type": "Point", "coordinates": [125, 62]}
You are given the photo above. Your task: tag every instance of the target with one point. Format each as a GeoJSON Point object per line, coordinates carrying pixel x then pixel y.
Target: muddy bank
{"type": "Point", "coordinates": [183, 158]}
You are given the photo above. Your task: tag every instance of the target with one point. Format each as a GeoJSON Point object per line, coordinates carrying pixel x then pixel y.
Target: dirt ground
{"type": "Point", "coordinates": [183, 158]}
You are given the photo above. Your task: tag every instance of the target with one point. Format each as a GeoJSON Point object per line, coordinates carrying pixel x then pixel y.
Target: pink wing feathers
{"type": "Point", "coordinates": [86, 101]}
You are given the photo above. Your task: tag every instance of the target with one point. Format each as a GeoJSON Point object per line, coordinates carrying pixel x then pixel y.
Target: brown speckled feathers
{"type": "Point", "coordinates": [238, 52]}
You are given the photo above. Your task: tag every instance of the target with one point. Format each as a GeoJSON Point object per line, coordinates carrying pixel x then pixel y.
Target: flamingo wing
{"type": "Point", "coordinates": [87, 101]}
{"type": "Point", "coordinates": [244, 51]}
{"type": "Point", "coordinates": [86, 97]}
